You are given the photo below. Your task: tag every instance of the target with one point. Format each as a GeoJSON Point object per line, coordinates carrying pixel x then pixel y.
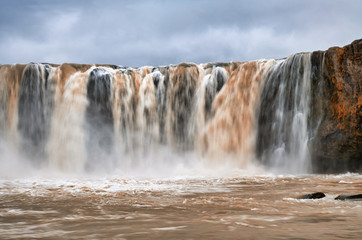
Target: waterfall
{"type": "Point", "coordinates": [283, 133]}
{"type": "Point", "coordinates": [77, 118]}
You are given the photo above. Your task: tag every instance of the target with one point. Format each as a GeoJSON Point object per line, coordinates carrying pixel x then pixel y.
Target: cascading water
{"type": "Point", "coordinates": [85, 118]}
{"type": "Point", "coordinates": [283, 133]}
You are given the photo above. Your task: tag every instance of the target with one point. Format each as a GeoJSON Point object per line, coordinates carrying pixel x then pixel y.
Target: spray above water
{"type": "Point", "coordinates": [82, 118]}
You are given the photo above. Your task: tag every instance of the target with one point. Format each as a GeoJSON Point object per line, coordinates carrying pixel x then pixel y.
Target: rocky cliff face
{"type": "Point", "coordinates": [336, 112]}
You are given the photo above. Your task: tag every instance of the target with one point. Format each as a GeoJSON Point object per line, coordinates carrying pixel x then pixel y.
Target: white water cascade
{"type": "Point", "coordinates": [84, 118]}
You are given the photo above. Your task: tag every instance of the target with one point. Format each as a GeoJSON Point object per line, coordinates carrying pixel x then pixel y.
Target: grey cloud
{"type": "Point", "coordinates": [136, 33]}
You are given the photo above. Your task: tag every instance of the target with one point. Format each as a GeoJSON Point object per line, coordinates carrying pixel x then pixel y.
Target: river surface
{"type": "Point", "coordinates": [240, 207]}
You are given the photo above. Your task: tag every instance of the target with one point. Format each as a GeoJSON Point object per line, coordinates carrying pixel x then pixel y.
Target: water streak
{"type": "Point", "coordinates": [283, 121]}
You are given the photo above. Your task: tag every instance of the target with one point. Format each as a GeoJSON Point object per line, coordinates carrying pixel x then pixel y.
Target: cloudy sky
{"type": "Point", "coordinates": [162, 32]}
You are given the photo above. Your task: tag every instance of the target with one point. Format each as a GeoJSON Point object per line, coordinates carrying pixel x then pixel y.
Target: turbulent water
{"type": "Point", "coordinates": [185, 151]}
{"type": "Point", "coordinates": [249, 207]}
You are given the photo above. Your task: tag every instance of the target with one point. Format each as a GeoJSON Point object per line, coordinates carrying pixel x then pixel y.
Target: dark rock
{"type": "Point", "coordinates": [356, 197]}
{"type": "Point", "coordinates": [336, 109]}
{"type": "Point", "coordinates": [316, 195]}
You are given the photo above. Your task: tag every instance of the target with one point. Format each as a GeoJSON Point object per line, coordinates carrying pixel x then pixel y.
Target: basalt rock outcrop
{"type": "Point", "coordinates": [353, 197]}
{"type": "Point", "coordinates": [316, 195]}
{"type": "Point", "coordinates": [336, 109]}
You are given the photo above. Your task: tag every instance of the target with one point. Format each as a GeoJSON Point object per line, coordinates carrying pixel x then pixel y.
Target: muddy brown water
{"type": "Point", "coordinates": [252, 207]}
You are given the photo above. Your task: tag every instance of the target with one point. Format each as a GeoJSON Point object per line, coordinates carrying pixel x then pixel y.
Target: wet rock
{"type": "Point", "coordinates": [316, 195]}
{"type": "Point", "coordinates": [336, 108]}
{"type": "Point", "coordinates": [356, 197]}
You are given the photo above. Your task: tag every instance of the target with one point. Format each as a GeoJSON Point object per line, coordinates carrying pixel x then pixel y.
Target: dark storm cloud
{"type": "Point", "coordinates": [136, 33]}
